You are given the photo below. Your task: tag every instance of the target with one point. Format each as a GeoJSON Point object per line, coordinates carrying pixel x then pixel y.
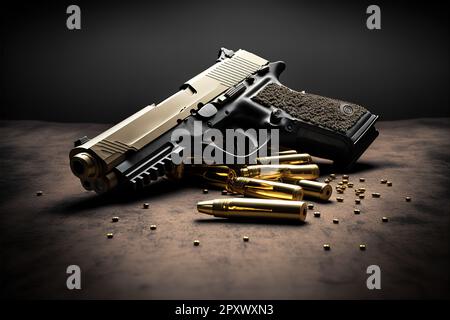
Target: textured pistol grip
{"type": "Point", "coordinates": [324, 127]}
{"type": "Point", "coordinates": [336, 115]}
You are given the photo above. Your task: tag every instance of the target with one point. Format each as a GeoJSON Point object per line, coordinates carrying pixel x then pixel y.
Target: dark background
{"type": "Point", "coordinates": [128, 55]}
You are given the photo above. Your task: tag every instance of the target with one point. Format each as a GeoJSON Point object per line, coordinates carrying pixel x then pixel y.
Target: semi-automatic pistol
{"type": "Point", "coordinates": [241, 90]}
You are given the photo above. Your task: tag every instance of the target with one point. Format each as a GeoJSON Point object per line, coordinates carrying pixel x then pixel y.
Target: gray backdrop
{"type": "Point", "coordinates": [128, 55]}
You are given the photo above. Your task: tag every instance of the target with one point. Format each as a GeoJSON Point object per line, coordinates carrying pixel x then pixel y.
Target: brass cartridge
{"type": "Point", "coordinates": [312, 189]}
{"type": "Point", "coordinates": [298, 158]}
{"type": "Point", "coordinates": [216, 175]}
{"type": "Point", "coordinates": [264, 189]}
{"type": "Point", "coordinates": [254, 208]}
{"type": "Point", "coordinates": [284, 152]}
{"type": "Point", "coordinates": [279, 171]}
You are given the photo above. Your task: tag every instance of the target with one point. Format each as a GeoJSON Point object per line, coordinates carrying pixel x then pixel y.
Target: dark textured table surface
{"type": "Point", "coordinates": [41, 236]}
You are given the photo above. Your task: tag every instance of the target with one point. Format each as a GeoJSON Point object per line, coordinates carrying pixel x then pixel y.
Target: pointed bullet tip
{"type": "Point", "coordinates": [205, 206]}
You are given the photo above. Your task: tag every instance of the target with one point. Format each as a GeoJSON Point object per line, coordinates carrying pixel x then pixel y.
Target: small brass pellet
{"type": "Point", "coordinates": [335, 221]}
{"type": "Point", "coordinates": [109, 235]}
{"type": "Point", "coordinates": [362, 179]}
{"type": "Point", "coordinates": [317, 214]}
{"type": "Point", "coordinates": [362, 247]}
{"type": "Point", "coordinates": [205, 191]}
{"type": "Point", "coordinates": [115, 219]}
{"type": "Point", "coordinates": [344, 181]}
{"type": "Point", "coordinates": [357, 211]}
{"type": "Point", "coordinates": [389, 183]}
{"type": "Point", "coordinates": [384, 219]}
{"type": "Point", "coordinates": [245, 238]}
{"type": "Point", "coordinates": [345, 176]}
{"type": "Point", "coordinates": [327, 180]}
{"type": "Point", "coordinates": [340, 183]}
{"type": "Point", "coordinates": [408, 199]}
{"type": "Point", "coordinates": [39, 193]}
{"type": "Point", "coordinates": [224, 192]}
{"type": "Point", "coordinates": [196, 243]}
{"type": "Point", "coordinates": [333, 176]}
{"type": "Point", "coordinates": [339, 191]}
{"type": "Point", "coordinates": [310, 206]}
{"type": "Point", "coordinates": [153, 227]}
{"type": "Point", "coordinates": [357, 201]}
{"type": "Point", "coordinates": [361, 196]}
{"type": "Point", "coordinates": [362, 189]}
{"type": "Point", "coordinates": [383, 181]}
{"type": "Point", "coordinates": [146, 205]}
{"type": "Point", "coordinates": [350, 184]}
{"type": "Point", "coordinates": [326, 247]}
{"type": "Point", "coordinates": [339, 199]}
{"type": "Point", "coordinates": [376, 195]}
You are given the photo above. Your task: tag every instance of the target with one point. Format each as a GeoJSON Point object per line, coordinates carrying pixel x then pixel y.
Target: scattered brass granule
{"type": "Point", "coordinates": [153, 227]}
{"type": "Point", "coordinates": [146, 205]}
{"type": "Point", "coordinates": [357, 201]}
{"type": "Point", "coordinates": [317, 214]}
{"type": "Point", "coordinates": [335, 221]}
{"type": "Point", "coordinates": [327, 180]}
{"type": "Point", "coordinates": [357, 211]}
{"type": "Point", "coordinates": [205, 191]}
{"type": "Point", "coordinates": [339, 190]}
{"type": "Point", "coordinates": [389, 183]}
{"type": "Point", "coordinates": [109, 235]}
{"type": "Point", "coordinates": [384, 219]}
{"type": "Point", "coordinates": [362, 189]}
{"type": "Point", "coordinates": [350, 184]}
{"type": "Point", "coordinates": [383, 181]}
{"type": "Point", "coordinates": [376, 195]}
{"type": "Point", "coordinates": [245, 238]}
{"type": "Point", "coordinates": [339, 199]}
{"type": "Point", "coordinates": [224, 192]}
{"type": "Point", "coordinates": [362, 247]}
{"type": "Point", "coordinates": [340, 183]}
{"type": "Point", "coordinates": [333, 176]}
{"type": "Point", "coordinates": [39, 193]}
{"type": "Point", "coordinates": [345, 176]}
{"type": "Point", "coordinates": [196, 243]}
{"type": "Point", "coordinates": [326, 247]}
{"type": "Point", "coordinates": [408, 199]}
{"type": "Point", "coordinates": [361, 196]}
{"type": "Point", "coordinates": [362, 179]}
{"type": "Point", "coordinates": [115, 219]}
{"type": "Point", "coordinates": [345, 181]}
{"type": "Point", "coordinates": [310, 206]}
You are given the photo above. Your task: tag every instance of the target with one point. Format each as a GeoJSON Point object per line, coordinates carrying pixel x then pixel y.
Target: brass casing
{"type": "Point", "coordinates": [265, 189]}
{"type": "Point", "coordinates": [254, 208]}
{"type": "Point", "coordinates": [285, 152]}
{"type": "Point", "coordinates": [277, 172]}
{"type": "Point", "coordinates": [312, 189]}
{"type": "Point", "coordinates": [98, 156]}
{"type": "Point", "coordinates": [216, 175]}
{"type": "Point", "coordinates": [299, 158]}
{"type": "Point", "coordinates": [176, 173]}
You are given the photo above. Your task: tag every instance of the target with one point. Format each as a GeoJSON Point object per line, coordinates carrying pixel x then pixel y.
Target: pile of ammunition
{"type": "Point", "coordinates": [264, 189]}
